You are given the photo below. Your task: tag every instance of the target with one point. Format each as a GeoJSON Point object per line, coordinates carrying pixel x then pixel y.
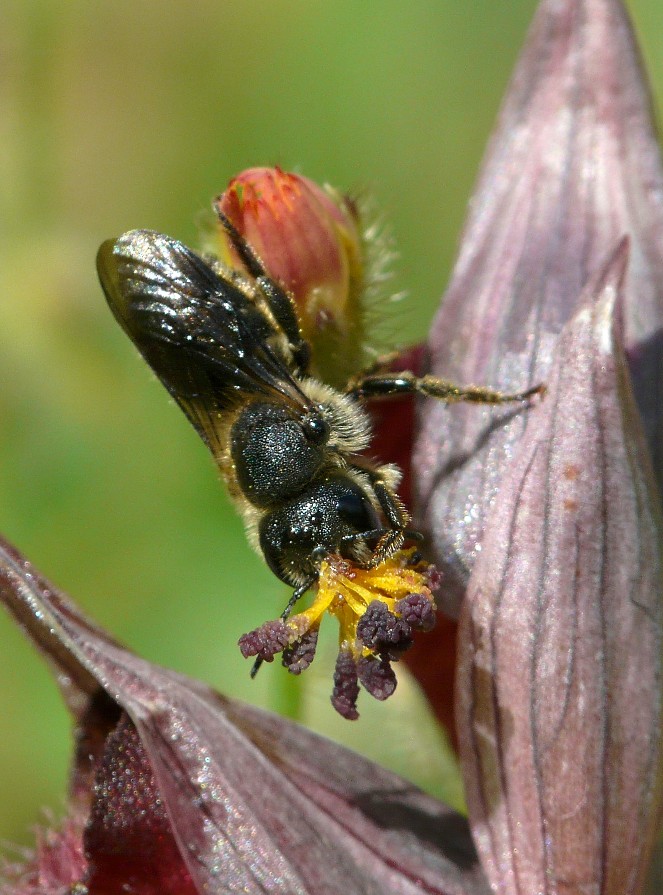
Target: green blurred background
{"type": "Point", "coordinates": [134, 114]}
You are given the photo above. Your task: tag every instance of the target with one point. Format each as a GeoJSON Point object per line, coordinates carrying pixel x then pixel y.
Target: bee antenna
{"type": "Point", "coordinates": [256, 666]}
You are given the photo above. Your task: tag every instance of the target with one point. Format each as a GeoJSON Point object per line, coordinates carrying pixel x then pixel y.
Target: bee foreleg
{"type": "Point", "coordinates": [283, 310]}
{"type": "Point", "coordinates": [396, 515]}
{"type": "Point", "coordinates": [247, 255]}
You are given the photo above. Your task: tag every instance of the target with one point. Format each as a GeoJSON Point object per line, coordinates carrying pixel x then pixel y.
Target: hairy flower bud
{"type": "Point", "coordinates": [308, 237]}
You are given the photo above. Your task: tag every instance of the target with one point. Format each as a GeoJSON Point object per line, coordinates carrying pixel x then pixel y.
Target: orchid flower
{"type": "Point", "coordinates": [545, 523]}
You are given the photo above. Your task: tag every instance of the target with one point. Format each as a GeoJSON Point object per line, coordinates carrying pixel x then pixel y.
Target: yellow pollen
{"type": "Point", "coordinates": [346, 591]}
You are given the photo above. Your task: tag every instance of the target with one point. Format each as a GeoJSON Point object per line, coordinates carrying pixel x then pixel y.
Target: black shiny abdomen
{"type": "Point", "coordinates": [317, 520]}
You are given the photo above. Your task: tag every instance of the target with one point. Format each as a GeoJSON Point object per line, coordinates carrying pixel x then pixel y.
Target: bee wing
{"type": "Point", "coordinates": [203, 337]}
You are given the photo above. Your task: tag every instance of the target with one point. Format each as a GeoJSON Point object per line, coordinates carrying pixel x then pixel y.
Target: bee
{"type": "Point", "coordinates": [229, 349]}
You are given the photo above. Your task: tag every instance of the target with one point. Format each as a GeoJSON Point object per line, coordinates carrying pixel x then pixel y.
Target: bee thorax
{"type": "Point", "coordinates": [273, 454]}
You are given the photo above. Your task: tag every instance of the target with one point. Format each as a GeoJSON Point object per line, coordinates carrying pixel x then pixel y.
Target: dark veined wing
{"type": "Point", "coordinates": [202, 336]}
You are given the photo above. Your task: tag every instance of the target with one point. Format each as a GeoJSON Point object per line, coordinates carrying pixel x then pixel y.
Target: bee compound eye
{"type": "Point", "coordinates": [326, 518]}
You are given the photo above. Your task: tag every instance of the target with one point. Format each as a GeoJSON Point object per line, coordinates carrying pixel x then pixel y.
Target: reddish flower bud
{"type": "Point", "coordinates": [308, 238]}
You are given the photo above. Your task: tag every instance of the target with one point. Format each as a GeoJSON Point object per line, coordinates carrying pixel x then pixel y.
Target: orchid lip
{"type": "Point", "coordinates": [232, 797]}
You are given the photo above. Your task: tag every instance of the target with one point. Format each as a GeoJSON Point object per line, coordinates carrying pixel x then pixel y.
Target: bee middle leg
{"type": "Point", "coordinates": [383, 385]}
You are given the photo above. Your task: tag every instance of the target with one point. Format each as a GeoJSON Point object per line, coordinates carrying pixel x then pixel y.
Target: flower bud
{"type": "Point", "coordinates": [308, 239]}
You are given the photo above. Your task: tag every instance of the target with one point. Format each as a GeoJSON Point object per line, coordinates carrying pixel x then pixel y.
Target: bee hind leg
{"type": "Point", "coordinates": [277, 298]}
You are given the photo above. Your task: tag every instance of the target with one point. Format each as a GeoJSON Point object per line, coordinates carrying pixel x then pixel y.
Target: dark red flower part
{"type": "Point", "coordinates": [298, 656]}
{"type": "Point", "coordinates": [377, 676]}
{"type": "Point", "coordinates": [128, 840]}
{"type": "Point", "coordinates": [559, 687]}
{"type": "Point", "coordinates": [177, 789]}
{"type": "Point", "coordinates": [346, 685]}
{"type": "Point", "coordinates": [572, 167]}
{"type": "Point", "coordinates": [266, 641]}
{"type": "Point", "coordinates": [384, 632]}
{"type": "Point", "coordinates": [417, 611]}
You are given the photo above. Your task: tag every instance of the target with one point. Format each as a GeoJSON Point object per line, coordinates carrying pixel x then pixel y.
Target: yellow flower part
{"type": "Point", "coordinates": [346, 591]}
